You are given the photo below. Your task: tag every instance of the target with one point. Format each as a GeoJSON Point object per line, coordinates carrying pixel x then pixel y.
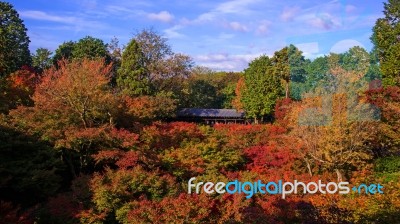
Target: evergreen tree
{"type": "Point", "coordinates": [386, 37]}
{"type": "Point", "coordinates": [262, 88]}
{"type": "Point", "coordinates": [132, 78]}
{"type": "Point", "coordinates": [14, 42]}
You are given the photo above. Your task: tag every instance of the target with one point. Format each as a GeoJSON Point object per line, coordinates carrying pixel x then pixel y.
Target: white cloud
{"type": "Point", "coordinates": [236, 26]}
{"type": "Point", "coordinates": [38, 40]}
{"type": "Point", "coordinates": [225, 36]}
{"type": "Point", "coordinates": [350, 8]}
{"type": "Point", "coordinates": [162, 16]}
{"type": "Point", "coordinates": [235, 7]}
{"type": "Point", "coordinates": [310, 50]}
{"type": "Point", "coordinates": [205, 17]}
{"type": "Point", "coordinates": [289, 13]}
{"type": "Point", "coordinates": [75, 23]}
{"type": "Point", "coordinates": [212, 57]}
{"type": "Point", "coordinates": [39, 15]}
{"type": "Point", "coordinates": [116, 9]}
{"type": "Point", "coordinates": [239, 7]}
{"type": "Point", "coordinates": [89, 4]}
{"type": "Point", "coordinates": [263, 27]}
{"type": "Point", "coordinates": [225, 62]}
{"type": "Point", "coordinates": [323, 21]}
{"type": "Point", "coordinates": [173, 32]}
{"type": "Point", "coordinates": [344, 45]}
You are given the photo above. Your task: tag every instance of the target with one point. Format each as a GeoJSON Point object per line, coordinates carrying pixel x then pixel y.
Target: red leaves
{"type": "Point", "coordinates": [145, 108]}
{"type": "Point", "coordinates": [128, 160]}
{"type": "Point", "coordinates": [63, 207]}
{"type": "Point", "coordinates": [282, 108]}
{"type": "Point", "coordinates": [190, 208]}
{"type": "Point", "coordinates": [18, 89]}
{"type": "Point", "coordinates": [237, 104]}
{"type": "Point", "coordinates": [108, 156]}
{"type": "Point", "coordinates": [123, 137]}
{"type": "Point", "coordinates": [269, 159]}
{"type": "Point", "coordinates": [24, 79]}
{"type": "Point", "coordinates": [12, 214]}
{"type": "Point", "coordinates": [167, 135]}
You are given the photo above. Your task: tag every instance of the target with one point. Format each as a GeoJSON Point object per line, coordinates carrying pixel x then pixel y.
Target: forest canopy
{"type": "Point", "coordinates": [88, 132]}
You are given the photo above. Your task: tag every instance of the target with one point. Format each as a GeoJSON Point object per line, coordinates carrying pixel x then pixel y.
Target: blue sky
{"type": "Point", "coordinates": [223, 35]}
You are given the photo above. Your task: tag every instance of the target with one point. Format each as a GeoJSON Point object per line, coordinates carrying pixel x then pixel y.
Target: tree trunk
{"type": "Point", "coordinates": [339, 175]}
{"type": "Point", "coordinates": [308, 167]}
{"type": "Point", "coordinates": [68, 160]}
{"type": "Point", "coordinates": [287, 90]}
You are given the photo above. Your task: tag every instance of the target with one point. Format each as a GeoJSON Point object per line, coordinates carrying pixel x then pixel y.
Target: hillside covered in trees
{"type": "Point", "coordinates": [85, 135]}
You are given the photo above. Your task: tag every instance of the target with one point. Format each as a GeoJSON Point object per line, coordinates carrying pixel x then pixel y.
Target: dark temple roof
{"type": "Point", "coordinates": [217, 113]}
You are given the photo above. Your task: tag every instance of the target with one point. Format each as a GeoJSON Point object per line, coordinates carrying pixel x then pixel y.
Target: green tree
{"type": "Point", "coordinates": [289, 64]}
{"type": "Point", "coordinates": [91, 48]}
{"type": "Point", "coordinates": [132, 78]}
{"type": "Point", "coordinates": [316, 71]}
{"type": "Point", "coordinates": [29, 168]}
{"type": "Point", "coordinates": [386, 37]}
{"type": "Point", "coordinates": [297, 64]}
{"type": "Point", "coordinates": [14, 42]}
{"type": "Point", "coordinates": [282, 67]}
{"type": "Point", "coordinates": [262, 88]}
{"type": "Point", "coordinates": [202, 95]}
{"type": "Point", "coordinates": [63, 51]}
{"type": "Point", "coordinates": [374, 72]}
{"type": "Point", "coordinates": [41, 59]}
{"type": "Point", "coordinates": [356, 59]}
{"type": "Point", "coordinates": [87, 47]}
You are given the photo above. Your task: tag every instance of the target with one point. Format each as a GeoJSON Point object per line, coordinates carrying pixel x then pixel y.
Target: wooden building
{"type": "Point", "coordinates": [211, 116]}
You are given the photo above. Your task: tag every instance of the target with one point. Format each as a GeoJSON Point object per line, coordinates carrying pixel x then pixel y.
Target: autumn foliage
{"type": "Point", "coordinates": [105, 157]}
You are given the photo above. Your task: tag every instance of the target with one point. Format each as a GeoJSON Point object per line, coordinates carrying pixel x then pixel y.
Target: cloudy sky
{"type": "Point", "coordinates": [223, 35]}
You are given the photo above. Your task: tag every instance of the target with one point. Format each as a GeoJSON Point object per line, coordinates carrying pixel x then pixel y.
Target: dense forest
{"type": "Point", "coordinates": [86, 133]}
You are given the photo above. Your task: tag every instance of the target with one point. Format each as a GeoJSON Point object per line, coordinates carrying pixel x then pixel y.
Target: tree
{"type": "Point", "coordinates": [149, 108]}
{"type": "Point", "coordinates": [282, 67]}
{"type": "Point", "coordinates": [18, 89]}
{"type": "Point", "coordinates": [91, 48]}
{"type": "Point", "coordinates": [237, 100]}
{"type": "Point", "coordinates": [64, 51]}
{"type": "Point", "coordinates": [171, 72]}
{"type": "Point", "coordinates": [41, 59]}
{"type": "Point", "coordinates": [385, 37]}
{"type": "Point", "coordinates": [76, 111]}
{"type": "Point", "coordinates": [218, 87]}
{"type": "Point", "coordinates": [154, 48]}
{"type": "Point", "coordinates": [356, 59]}
{"type": "Point", "coordinates": [164, 69]}
{"type": "Point", "coordinates": [14, 42]}
{"type": "Point", "coordinates": [290, 65]}
{"type": "Point", "coordinates": [87, 47]}
{"type": "Point", "coordinates": [79, 87]}
{"type": "Point", "coordinates": [132, 78]}
{"type": "Point", "coordinates": [316, 71]}
{"type": "Point", "coordinates": [297, 64]}
{"type": "Point", "coordinates": [29, 170]}
{"type": "Point", "coordinates": [115, 54]}
{"type": "Point", "coordinates": [114, 50]}
{"type": "Point", "coordinates": [262, 88]}
{"type": "Point", "coordinates": [202, 95]}
{"type": "Point", "coordinates": [388, 101]}
{"type": "Point", "coordinates": [346, 126]}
